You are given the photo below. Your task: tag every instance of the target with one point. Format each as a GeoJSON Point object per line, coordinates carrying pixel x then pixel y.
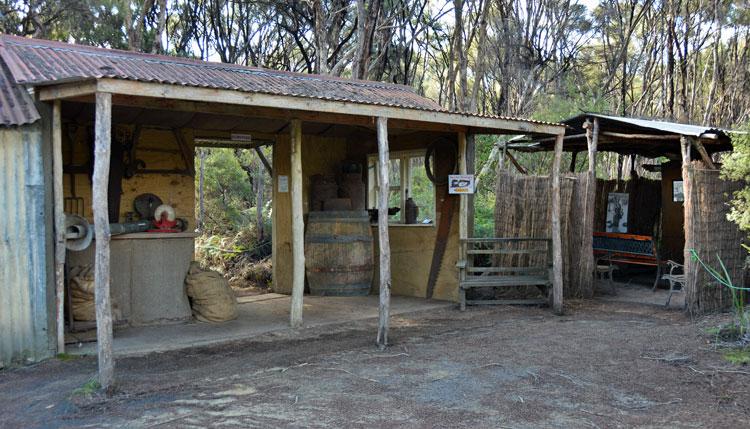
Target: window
{"type": "Point", "coordinates": [408, 179]}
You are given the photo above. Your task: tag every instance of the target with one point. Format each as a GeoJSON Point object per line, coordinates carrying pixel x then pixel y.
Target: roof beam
{"type": "Point", "coordinates": [67, 90]}
{"type": "Point", "coordinates": [293, 103]}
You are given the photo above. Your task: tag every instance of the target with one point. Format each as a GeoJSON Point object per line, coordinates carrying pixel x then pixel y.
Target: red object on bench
{"type": "Point", "coordinates": [628, 249]}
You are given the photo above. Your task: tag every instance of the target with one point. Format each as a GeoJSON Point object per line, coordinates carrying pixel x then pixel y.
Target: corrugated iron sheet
{"type": "Point", "coordinates": [24, 296]}
{"type": "Point", "coordinates": [35, 62]}
{"type": "Point", "coordinates": [16, 105]}
{"type": "Point", "coordinates": [650, 124]}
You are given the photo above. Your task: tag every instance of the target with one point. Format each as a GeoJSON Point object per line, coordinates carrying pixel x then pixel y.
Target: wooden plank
{"type": "Point", "coordinates": [502, 239]}
{"type": "Point", "coordinates": [504, 251]}
{"type": "Point", "coordinates": [264, 160]}
{"type": "Point", "coordinates": [505, 269]}
{"type": "Point", "coordinates": [102, 152]}
{"type": "Point", "coordinates": [383, 239]}
{"type": "Point", "coordinates": [67, 90]}
{"type": "Point", "coordinates": [508, 302]}
{"type": "Point", "coordinates": [515, 163]}
{"type": "Point", "coordinates": [499, 281]}
{"type": "Point", "coordinates": [59, 213]}
{"type": "Point", "coordinates": [704, 154]}
{"type": "Point", "coordinates": [557, 288]}
{"type": "Point", "coordinates": [188, 157]}
{"type": "Point", "coordinates": [298, 226]}
{"type": "Point", "coordinates": [423, 117]}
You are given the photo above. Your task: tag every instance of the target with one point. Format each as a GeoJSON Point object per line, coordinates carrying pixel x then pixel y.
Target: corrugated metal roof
{"type": "Point", "coordinates": [667, 127]}
{"type": "Point", "coordinates": [16, 105]}
{"type": "Point", "coordinates": [39, 62]}
{"type": "Point", "coordinates": [34, 61]}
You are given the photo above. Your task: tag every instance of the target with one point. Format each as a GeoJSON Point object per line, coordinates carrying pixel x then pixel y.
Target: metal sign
{"type": "Point", "coordinates": [460, 184]}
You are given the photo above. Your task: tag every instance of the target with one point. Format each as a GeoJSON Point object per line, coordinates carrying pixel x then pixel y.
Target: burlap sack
{"type": "Point", "coordinates": [211, 298]}
{"type": "Point", "coordinates": [82, 295]}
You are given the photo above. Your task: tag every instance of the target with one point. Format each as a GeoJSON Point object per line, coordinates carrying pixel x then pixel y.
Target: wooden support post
{"type": "Point", "coordinates": [687, 185]}
{"type": "Point", "coordinates": [201, 204]}
{"type": "Point", "coordinates": [383, 241]}
{"type": "Point", "coordinates": [264, 160]}
{"type": "Point", "coordinates": [298, 226]}
{"type": "Point", "coordinates": [518, 166]}
{"type": "Point", "coordinates": [57, 177]}
{"type": "Point", "coordinates": [557, 280]}
{"type": "Point", "coordinates": [703, 153]}
{"type": "Point", "coordinates": [587, 246]}
{"type": "Point", "coordinates": [470, 169]}
{"type": "Point", "coordinates": [100, 179]}
{"type": "Point", "coordinates": [463, 208]}
{"type": "Point", "coordinates": [573, 157]}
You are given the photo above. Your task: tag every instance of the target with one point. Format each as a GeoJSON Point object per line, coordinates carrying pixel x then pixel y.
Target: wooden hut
{"type": "Point", "coordinates": [684, 209]}
{"type": "Point", "coordinates": [117, 124]}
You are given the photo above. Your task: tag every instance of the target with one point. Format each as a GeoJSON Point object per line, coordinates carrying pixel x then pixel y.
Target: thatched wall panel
{"type": "Point", "coordinates": [523, 209]}
{"type": "Point", "coordinates": [712, 234]}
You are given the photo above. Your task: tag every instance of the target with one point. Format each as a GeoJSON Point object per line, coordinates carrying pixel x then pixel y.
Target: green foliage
{"type": "Point", "coordinates": [229, 198]}
{"type": "Point", "coordinates": [66, 357]}
{"type": "Point", "coordinates": [737, 357]}
{"type": "Point", "coordinates": [737, 167]}
{"type": "Point", "coordinates": [89, 388]}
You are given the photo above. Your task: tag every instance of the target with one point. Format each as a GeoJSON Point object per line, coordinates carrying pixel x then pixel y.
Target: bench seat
{"type": "Point", "coordinates": [538, 274]}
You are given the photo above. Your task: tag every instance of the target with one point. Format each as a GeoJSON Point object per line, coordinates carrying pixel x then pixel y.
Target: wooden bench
{"type": "Point", "coordinates": [473, 276]}
{"type": "Point", "coordinates": [631, 249]}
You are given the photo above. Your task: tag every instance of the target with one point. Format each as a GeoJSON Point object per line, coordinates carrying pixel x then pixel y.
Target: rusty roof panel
{"type": "Point", "coordinates": [16, 105]}
{"type": "Point", "coordinates": [40, 62]}
{"type": "Point", "coordinates": [34, 61]}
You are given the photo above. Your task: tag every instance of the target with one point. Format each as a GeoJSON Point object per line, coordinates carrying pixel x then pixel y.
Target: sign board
{"type": "Point", "coordinates": [283, 183]}
{"type": "Point", "coordinates": [460, 184]}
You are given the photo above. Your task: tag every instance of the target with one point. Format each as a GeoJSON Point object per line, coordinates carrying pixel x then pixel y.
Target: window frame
{"type": "Point", "coordinates": [405, 182]}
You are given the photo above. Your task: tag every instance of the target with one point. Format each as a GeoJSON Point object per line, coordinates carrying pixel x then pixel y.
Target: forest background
{"type": "Point", "coordinates": [679, 60]}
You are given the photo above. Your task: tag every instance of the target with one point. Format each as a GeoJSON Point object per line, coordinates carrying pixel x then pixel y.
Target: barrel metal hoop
{"type": "Point", "coordinates": [346, 269]}
{"type": "Point", "coordinates": [338, 238]}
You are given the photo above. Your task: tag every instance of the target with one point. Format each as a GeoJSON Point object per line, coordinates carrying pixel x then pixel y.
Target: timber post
{"type": "Point", "coordinates": [59, 210]}
{"type": "Point", "coordinates": [687, 185]}
{"type": "Point", "coordinates": [592, 139]}
{"type": "Point", "coordinates": [100, 179]}
{"type": "Point", "coordinates": [557, 280]}
{"type": "Point", "coordinates": [298, 225]}
{"type": "Point", "coordinates": [463, 208]}
{"type": "Point", "coordinates": [383, 241]}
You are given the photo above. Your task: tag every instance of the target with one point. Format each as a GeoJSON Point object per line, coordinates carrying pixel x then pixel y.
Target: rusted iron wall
{"type": "Point", "coordinates": [26, 317]}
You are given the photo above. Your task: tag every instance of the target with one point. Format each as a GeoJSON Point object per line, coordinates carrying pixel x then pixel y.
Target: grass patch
{"type": "Point", "coordinates": [66, 357]}
{"type": "Point", "coordinates": [89, 388]}
{"type": "Point", "coordinates": [738, 356]}
{"type": "Point", "coordinates": [726, 333]}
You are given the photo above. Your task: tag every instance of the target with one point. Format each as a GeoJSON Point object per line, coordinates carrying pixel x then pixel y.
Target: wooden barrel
{"type": "Point", "coordinates": [338, 253]}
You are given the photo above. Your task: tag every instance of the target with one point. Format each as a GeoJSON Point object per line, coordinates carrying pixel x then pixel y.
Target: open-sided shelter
{"type": "Point", "coordinates": [108, 125]}
{"type": "Point", "coordinates": [684, 210]}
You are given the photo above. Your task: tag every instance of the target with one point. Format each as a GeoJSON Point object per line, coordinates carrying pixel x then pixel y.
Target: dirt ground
{"type": "Point", "coordinates": [601, 365]}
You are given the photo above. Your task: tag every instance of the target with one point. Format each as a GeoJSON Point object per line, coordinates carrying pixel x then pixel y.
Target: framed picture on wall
{"type": "Point", "coordinates": [678, 192]}
{"type": "Point", "coordinates": [617, 212]}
